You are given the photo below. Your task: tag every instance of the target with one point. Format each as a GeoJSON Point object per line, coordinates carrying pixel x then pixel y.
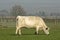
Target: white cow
{"type": "Point", "coordinates": [31, 22]}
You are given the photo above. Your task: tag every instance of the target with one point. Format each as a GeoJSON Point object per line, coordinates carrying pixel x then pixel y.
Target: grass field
{"type": "Point", "coordinates": [8, 33]}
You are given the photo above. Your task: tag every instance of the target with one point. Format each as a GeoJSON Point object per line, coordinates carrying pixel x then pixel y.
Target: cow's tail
{"type": "Point", "coordinates": [16, 21]}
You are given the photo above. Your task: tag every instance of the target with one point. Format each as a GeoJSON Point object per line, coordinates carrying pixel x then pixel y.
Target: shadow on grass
{"type": "Point", "coordinates": [25, 34]}
{"type": "Point", "coordinates": [33, 34]}
{"type": "Point", "coordinates": [12, 34]}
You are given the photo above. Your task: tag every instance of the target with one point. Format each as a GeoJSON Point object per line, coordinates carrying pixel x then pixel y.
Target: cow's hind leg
{"type": "Point", "coordinates": [20, 31]}
{"type": "Point", "coordinates": [17, 30]}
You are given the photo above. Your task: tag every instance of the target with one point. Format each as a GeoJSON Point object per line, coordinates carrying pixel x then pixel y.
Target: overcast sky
{"type": "Point", "coordinates": [33, 6]}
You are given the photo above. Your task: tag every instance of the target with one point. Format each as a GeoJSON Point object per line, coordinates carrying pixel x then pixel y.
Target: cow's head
{"type": "Point", "coordinates": [46, 30]}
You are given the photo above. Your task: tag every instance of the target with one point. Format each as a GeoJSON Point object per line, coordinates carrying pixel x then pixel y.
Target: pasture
{"type": "Point", "coordinates": [7, 32]}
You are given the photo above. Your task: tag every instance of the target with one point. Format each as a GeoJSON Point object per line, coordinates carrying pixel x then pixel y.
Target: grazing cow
{"type": "Point", "coordinates": [31, 22]}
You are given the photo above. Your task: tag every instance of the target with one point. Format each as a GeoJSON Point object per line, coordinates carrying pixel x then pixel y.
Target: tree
{"type": "Point", "coordinates": [51, 14]}
{"type": "Point", "coordinates": [17, 10]}
{"type": "Point", "coordinates": [42, 13]}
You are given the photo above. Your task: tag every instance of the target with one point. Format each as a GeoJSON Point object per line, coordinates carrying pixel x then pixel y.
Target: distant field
{"type": "Point", "coordinates": [7, 32]}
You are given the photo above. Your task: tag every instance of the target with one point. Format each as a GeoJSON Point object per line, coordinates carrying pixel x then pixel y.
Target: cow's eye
{"type": "Point", "coordinates": [46, 28]}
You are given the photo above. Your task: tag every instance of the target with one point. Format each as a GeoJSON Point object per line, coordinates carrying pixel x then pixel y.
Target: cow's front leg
{"type": "Point", "coordinates": [20, 31]}
{"type": "Point", "coordinates": [37, 29]}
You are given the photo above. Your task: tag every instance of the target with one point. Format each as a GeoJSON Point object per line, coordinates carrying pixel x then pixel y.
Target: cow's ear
{"type": "Point", "coordinates": [46, 28]}
{"type": "Point", "coordinates": [16, 19]}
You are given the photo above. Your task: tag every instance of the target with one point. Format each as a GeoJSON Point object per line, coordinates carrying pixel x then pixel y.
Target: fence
{"type": "Point", "coordinates": [10, 21]}
{"type": "Point", "coordinates": [6, 22]}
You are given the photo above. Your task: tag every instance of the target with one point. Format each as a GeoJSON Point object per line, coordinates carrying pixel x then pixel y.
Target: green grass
{"type": "Point", "coordinates": [28, 34]}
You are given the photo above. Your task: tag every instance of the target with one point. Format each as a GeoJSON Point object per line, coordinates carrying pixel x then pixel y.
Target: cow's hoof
{"type": "Point", "coordinates": [18, 34]}
{"type": "Point", "coordinates": [36, 33]}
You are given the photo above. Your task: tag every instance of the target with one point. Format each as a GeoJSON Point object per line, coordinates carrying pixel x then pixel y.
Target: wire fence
{"type": "Point", "coordinates": [11, 22]}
